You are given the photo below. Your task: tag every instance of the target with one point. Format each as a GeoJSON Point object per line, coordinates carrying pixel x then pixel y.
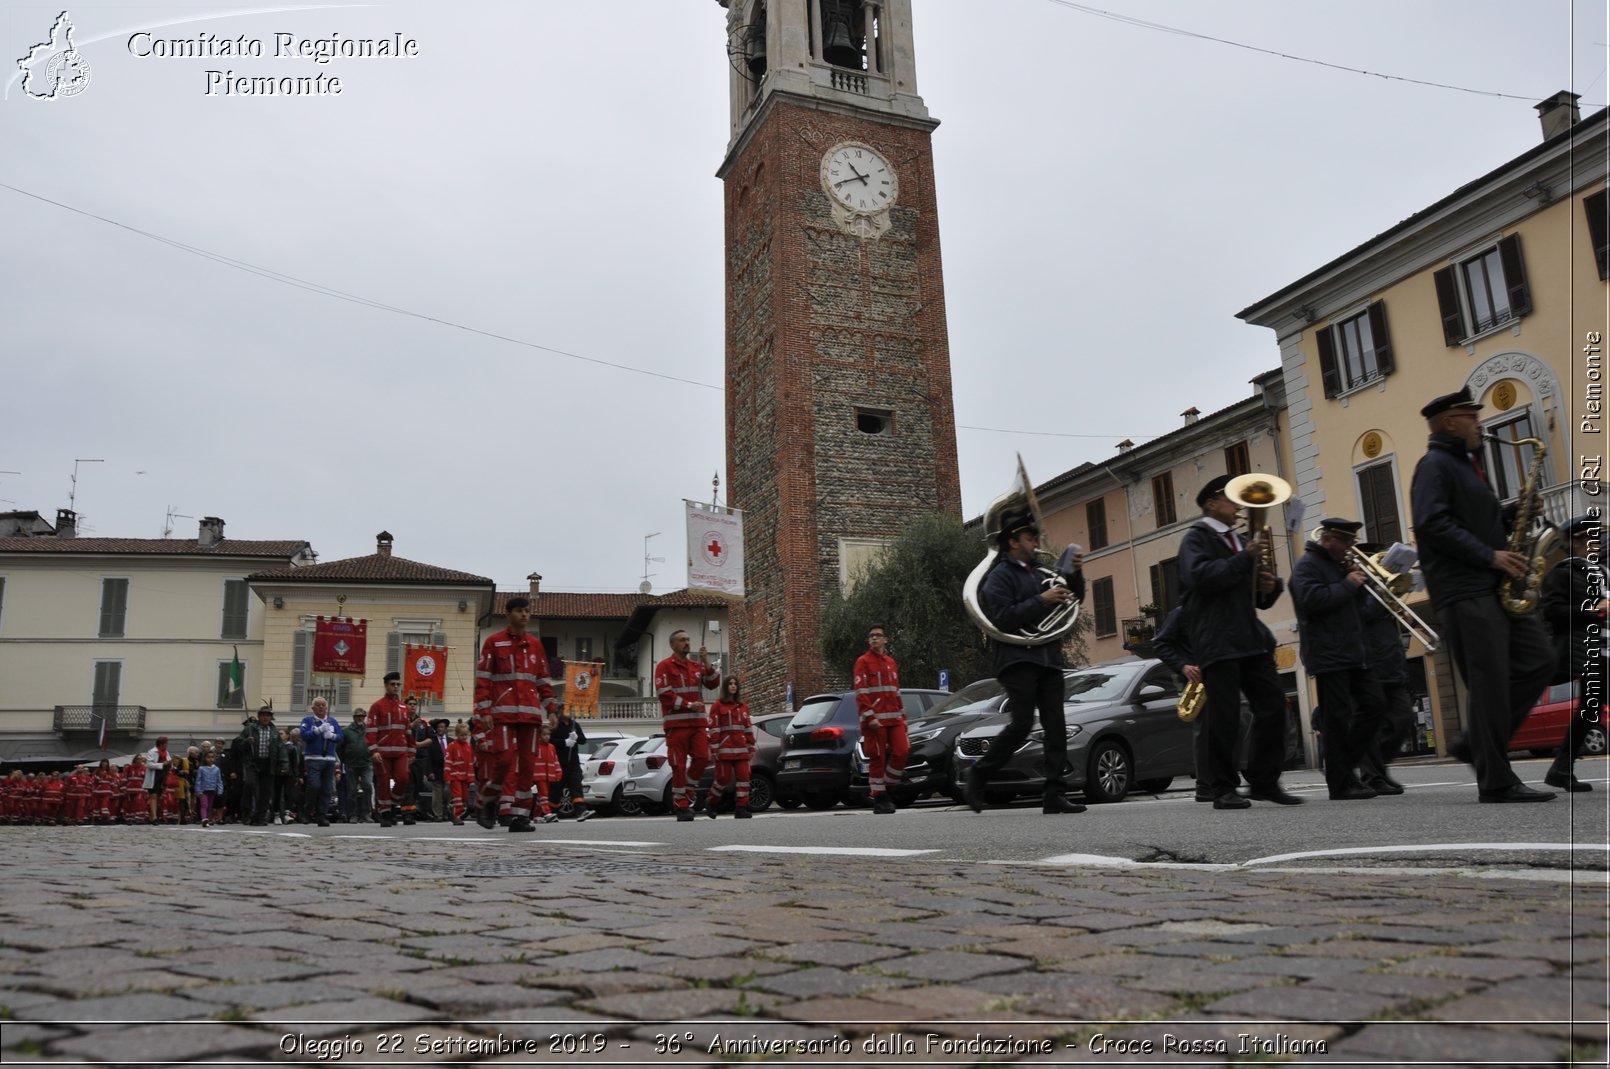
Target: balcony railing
{"type": "Point", "coordinates": [86, 719]}
{"type": "Point", "coordinates": [1138, 632]}
{"type": "Point", "coordinates": [628, 709]}
{"type": "Point", "coordinates": [1565, 500]}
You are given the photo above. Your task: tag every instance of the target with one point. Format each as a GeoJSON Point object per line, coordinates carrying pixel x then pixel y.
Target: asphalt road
{"type": "Point", "coordinates": [1436, 824]}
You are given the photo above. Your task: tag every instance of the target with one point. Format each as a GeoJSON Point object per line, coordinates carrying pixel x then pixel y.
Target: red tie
{"type": "Point", "coordinates": [1230, 540]}
{"type": "Point", "coordinates": [1476, 463]}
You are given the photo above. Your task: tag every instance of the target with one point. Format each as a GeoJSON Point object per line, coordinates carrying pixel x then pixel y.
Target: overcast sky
{"type": "Point", "coordinates": [544, 171]}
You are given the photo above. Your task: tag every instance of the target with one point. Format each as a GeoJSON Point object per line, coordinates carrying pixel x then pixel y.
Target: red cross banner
{"type": "Point", "coordinates": [582, 683]}
{"type": "Point", "coordinates": [715, 550]}
{"type": "Point", "coordinates": [340, 646]}
{"type": "Point", "coordinates": [424, 671]}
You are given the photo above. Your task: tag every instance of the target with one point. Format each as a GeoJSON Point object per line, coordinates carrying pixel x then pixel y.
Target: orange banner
{"type": "Point", "coordinates": [583, 680]}
{"type": "Point", "coordinates": [424, 671]}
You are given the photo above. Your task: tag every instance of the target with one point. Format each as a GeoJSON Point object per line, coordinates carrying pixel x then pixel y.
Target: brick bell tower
{"type": "Point", "coordinates": [840, 425]}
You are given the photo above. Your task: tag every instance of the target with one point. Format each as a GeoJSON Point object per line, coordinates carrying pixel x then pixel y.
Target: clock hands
{"type": "Point", "coordinates": [859, 177]}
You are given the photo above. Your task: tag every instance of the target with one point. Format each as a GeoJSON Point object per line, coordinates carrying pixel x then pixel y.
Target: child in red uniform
{"type": "Point", "coordinates": [50, 799]}
{"type": "Point", "coordinates": [732, 747]}
{"type": "Point", "coordinates": [170, 793]}
{"type": "Point", "coordinates": [103, 790]}
{"type": "Point", "coordinates": [77, 791]}
{"type": "Point", "coordinates": [548, 771]}
{"type": "Point", "coordinates": [493, 769]}
{"type": "Point", "coordinates": [460, 770]}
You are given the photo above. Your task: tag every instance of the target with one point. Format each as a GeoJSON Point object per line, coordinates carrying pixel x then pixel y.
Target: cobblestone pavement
{"type": "Point", "coordinates": [164, 946]}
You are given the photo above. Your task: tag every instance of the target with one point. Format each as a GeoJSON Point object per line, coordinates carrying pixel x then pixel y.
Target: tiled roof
{"type": "Point", "coordinates": [375, 568]}
{"type": "Point", "coordinates": [167, 547]}
{"type": "Point", "coordinates": [564, 605]}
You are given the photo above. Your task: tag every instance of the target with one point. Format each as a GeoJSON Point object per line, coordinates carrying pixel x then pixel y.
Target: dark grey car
{"type": "Point", "coordinates": [1124, 734]}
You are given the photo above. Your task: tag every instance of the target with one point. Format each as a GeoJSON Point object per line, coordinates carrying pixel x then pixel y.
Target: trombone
{"type": "Point", "coordinates": [1388, 588]}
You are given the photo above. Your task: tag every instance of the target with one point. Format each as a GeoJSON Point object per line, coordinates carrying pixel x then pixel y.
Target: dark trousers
{"type": "Point", "coordinates": [1505, 661]}
{"type": "Point", "coordinates": [1397, 727]}
{"type": "Point", "coordinates": [1353, 705]}
{"type": "Point", "coordinates": [1031, 688]}
{"type": "Point", "coordinates": [1218, 729]}
{"type": "Point", "coordinates": [264, 793]}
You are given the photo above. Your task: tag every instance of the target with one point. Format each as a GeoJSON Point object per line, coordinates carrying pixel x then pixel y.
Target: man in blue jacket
{"type": "Point", "coordinates": [1013, 598]}
{"type": "Point", "coordinates": [1504, 660]}
{"type": "Point", "coordinates": [1327, 594]}
{"type": "Point", "coordinates": [1223, 584]}
{"type": "Point", "coordinates": [321, 738]}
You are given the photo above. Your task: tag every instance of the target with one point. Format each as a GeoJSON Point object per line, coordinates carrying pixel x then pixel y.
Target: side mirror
{"type": "Point", "coordinates": [1150, 691]}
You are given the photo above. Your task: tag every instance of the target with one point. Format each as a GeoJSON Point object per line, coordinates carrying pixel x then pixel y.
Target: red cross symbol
{"type": "Point", "coordinates": [714, 547]}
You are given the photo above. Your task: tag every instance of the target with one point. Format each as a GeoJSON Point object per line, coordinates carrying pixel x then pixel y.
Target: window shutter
{"type": "Point", "coordinates": [394, 652]}
{"type": "Point", "coordinates": [1598, 208]}
{"type": "Point", "coordinates": [1453, 323]}
{"type": "Point", "coordinates": [1106, 609]}
{"type": "Point", "coordinates": [301, 643]}
{"type": "Point", "coordinates": [114, 607]}
{"type": "Point", "coordinates": [1520, 294]}
{"type": "Point", "coordinates": [1381, 339]}
{"type": "Point", "coordinates": [438, 638]}
{"type": "Point", "coordinates": [343, 694]}
{"type": "Point", "coordinates": [108, 682]}
{"type": "Point", "coordinates": [235, 608]}
{"type": "Point", "coordinates": [1328, 374]}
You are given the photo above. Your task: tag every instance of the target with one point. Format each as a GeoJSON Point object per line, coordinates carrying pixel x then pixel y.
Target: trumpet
{"type": "Point", "coordinates": [1388, 588]}
{"type": "Point", "coordinates": [1192, 701]}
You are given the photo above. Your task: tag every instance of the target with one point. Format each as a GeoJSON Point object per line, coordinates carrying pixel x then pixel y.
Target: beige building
{"type": "Point", "coordinates": [403, 601]}
{"type": "Point", "coordinates": [1499, 287]}
{"type": "Point", "coordinates": [139, 631]}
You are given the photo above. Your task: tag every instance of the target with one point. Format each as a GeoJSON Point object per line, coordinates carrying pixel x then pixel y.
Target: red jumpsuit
{"type": "Point", "coordinates": [460, 772]}
{"type": "Point", "coordinates": [50, 801]}
{"type": "Point", "coordinates": [732, 744]}
{"type": "Point", "coordinates": [134, 796]}
{"type": "Point", "coordinates": [883, 719]}
{"type": "Point", "coordinates": [494, 763]}
{"type": "Point", "coordinates": [512, 685]}
{"type": "Point", "coordinates": [105, 792]}
{"type": "Point", "coordinates": [549, 773]}
{"type": "Point", "coordinates": [393, 749]}
{"type": "Point", "coordinates": [677, 683]}
{"type": "Point", "coordinates": [79, 790]}
{"type": "Point", "coordinates": [170, 796]}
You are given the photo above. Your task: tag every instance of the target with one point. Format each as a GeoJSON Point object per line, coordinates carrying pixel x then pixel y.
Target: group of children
{"type": "Point", "coordinates": [108, 795]}
{"type": "Point", "coordinates": [483, 772]}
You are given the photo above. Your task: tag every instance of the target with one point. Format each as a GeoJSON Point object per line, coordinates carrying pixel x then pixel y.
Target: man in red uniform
{"type": "Point", "coordinates": [883, 717]}
{"type": "Point", "coordinates": [393, 749]}
{"type": "Point", "coordinates": [512, 684]}
{"type": "Point", "coordinates": [680, 684]}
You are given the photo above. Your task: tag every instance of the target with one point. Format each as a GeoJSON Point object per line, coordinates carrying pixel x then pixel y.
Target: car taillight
{"type": "Point", "coordinates": [606, 768]}
{"type": "Point", "coordinates": [825, 736]}
{"type": "Point", "coordinates": [656, 761]}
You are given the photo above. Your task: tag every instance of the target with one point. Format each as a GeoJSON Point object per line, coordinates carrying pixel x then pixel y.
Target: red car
{"type": "Point", "coordinates": [1544, 728]}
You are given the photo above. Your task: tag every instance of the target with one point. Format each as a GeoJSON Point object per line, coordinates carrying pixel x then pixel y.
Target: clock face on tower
{"type": "Point", "coordinates": [859, 179]}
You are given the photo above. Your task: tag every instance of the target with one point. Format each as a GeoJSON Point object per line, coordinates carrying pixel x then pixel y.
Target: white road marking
{"type": "Point", "coordinates": [1436, 848]}
{"type": "Point", "coordinates": [845, 851]}
{"type": "Point", "coordinates": [590, 842]}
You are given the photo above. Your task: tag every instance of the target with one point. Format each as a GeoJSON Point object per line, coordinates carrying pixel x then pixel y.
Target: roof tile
{"type": "Point", "coordinates": [375, 568]}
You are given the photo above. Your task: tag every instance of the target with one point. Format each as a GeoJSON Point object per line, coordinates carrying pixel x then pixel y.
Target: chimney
{"type": "Point", "coordinates": [536, 583]}
{"type": "Point", "coordinates": [1125, 446]}
{"type": "Point", "coordinates": [1190, 415]}
{"type": "Point", "coordinates": [66, 523]}
{"type": "Point", "coordinates": [211, 533]}
{"type": "Point", "coordinates": [383, 543]}
{"type": "Point", "coordinates": [1558, 113]}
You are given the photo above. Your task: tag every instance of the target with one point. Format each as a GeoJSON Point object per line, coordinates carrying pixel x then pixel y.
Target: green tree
{"type": "Point", "coordinates": [914, 589]}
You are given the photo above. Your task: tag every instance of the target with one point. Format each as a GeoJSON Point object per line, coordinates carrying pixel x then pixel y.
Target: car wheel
{"type": "Point", "coordinates": [626, 807]}
{"type": "Point", "coordinates": [1110, 773]}
{"type": "Point", "coordinates": [818, 800]}
{"type": "Point", "coordinates": [1155, 786]}
{"type": "Point", "coordinates": [565, 806]}
{"type": "Point", "coordinates": [761, 793]}
{"type": "Point", "coordinates": [1595, 742]}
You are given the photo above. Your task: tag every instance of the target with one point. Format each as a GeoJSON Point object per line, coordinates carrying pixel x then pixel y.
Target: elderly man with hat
{"type": "Point", "coordinates": [1574, 604]}
{"type": "Point", "coordinates": [1389, 667]}
{"type": "Point", "coordinates": [1013, 597]}
{"type": "Point", "coordinates": [1328, 593]}
{"type": "Point", "coordinates": [1223, 584]}
{"type": "Point", "coordinates": [1504, 660]}
{"type": "Point", "coordinates": [265, 759]}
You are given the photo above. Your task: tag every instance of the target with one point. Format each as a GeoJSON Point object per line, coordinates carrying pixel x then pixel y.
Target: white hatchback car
{"type": "Point", "coordinates": [604, 772]}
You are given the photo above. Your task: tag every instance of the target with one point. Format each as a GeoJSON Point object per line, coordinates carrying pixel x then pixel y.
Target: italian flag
{"type": "Point", "coordinates": [236, 675]}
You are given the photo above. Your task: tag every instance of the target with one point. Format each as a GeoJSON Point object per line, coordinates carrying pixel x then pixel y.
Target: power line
{"type": "Point", "coordinates": [1130, 20]}
{"type": "Point", "coordinates": [367, 302]}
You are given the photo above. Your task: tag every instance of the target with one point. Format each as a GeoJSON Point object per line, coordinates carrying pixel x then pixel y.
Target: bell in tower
{"type": "Point", "coordinates": [755, 45]}
{"type": "Point", "coordinates": [841, 43]}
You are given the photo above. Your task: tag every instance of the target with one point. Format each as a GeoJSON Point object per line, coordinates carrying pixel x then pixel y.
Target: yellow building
{"type": "Point", "coordinates": [139, 632]}
{"type": "Point", "coordinates": [403, 601]}
{"type": "Point", "coordinates": [1499, 286]}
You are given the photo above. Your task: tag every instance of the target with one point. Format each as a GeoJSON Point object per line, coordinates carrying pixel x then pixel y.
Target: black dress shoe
{"type": "Point", "coordinates": [1205, 796]}
{"type": "Point", "coordinates": [1231, 800]}
{"type": "Point", "coordinates": [1566, 781]}
{"type": "Point", "coordinates": [1518, 793]}
{"type": "Point", "coordinates": [1273, 794]}
{"type": "Point", "coordinates": [520, 825]}
{"type": "Point", "coordinates": [1351, 793]}
{"type": "Point", "coordinates": [973, 790]}
{"type": "Point", "coordinates": [684, 815]}
{"type": "Point", "coordinates": [1055, 803]}
{"type": "Point", "coordinates": [487, 816]}
{"type": "Point", "coordinates": [1384, 786]}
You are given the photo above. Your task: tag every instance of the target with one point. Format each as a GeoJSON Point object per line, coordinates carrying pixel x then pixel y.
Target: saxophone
{"type": "Point", "coordinates": [1530, 538]}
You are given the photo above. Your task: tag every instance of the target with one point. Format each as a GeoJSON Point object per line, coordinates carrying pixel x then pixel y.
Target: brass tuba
{"type": "Point", "coordinates": [1062, 619]}
{"type": "Point", "coordinates": [1257, 493]}
{"type": "Point", "coordinates": [1532, 536]}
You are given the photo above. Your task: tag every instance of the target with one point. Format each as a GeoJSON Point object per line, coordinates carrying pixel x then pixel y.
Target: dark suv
{"type": "Point", "coordinates": [818, 755]}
